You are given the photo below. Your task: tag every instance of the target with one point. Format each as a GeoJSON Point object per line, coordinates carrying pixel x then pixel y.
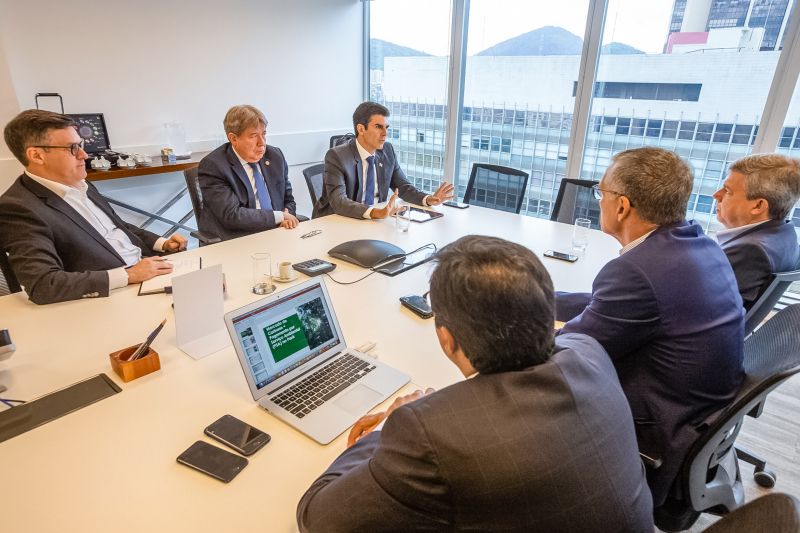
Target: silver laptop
{"type": "Point", "coordinates": [298, 366]}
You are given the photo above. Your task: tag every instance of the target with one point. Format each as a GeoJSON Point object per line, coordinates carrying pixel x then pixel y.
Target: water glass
{"type": "Point", "coordinates": [580, 236]}
{"type": "Point", "coordinates": [262, 273]}
{"type": "Point", "coordinates": [402, 217]}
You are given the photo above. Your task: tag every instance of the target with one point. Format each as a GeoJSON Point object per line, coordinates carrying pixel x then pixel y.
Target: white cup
{"type": "Point", "coordinates": [285, 269]}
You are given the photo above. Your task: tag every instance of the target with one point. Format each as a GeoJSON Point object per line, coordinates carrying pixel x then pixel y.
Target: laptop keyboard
{"type": "Point", "coordinates": [316, 389]}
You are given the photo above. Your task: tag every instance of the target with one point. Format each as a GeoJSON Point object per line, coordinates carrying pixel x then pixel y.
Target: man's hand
{"type": "Point", "coordinates": [289, 220]}
{"type": "Point", "coordinates": [176, 243]}
{"type": "Point", "coordinates": [442, 194]}
{"type": "Point", "coordinates": [367, 423]}
{"type": "Point", "coordinates": [386, 211]}
{"type": "Point", "coordinates": [147, 268]}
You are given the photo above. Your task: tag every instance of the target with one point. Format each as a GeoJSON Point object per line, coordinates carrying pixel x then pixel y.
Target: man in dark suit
{"type": "Point", "coordinates": [63, 239]}
{"type": "Point", "coordinates": [539, 437]}
{"type": "Point", "coordinates": [359, 174]}
{"type": "Point", "coordinates": [245, 183]}
{"type": "Point", "coordinates": [753, 205]}
{"type": "Point", "coordinates": [667, 310]}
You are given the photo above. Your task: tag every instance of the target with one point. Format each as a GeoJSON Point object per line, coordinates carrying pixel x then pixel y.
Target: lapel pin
{"type": "Point", "coordinates": [380, 165]}
{"type": "Point", "coordinates": [266, 163]}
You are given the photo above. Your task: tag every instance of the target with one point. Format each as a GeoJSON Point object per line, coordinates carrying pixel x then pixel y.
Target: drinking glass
{"type": "Point", "coordinates": [262, 273]}
{"type": "Point", "coordinates": [580, 236]}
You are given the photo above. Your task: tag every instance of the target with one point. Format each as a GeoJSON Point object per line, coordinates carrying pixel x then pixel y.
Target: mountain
{"type": "Point", "coordinates": [378, 49]}
{"type": "Point", "coordinates": [550, 41]}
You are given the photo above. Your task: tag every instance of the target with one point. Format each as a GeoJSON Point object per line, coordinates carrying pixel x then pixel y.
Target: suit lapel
{"type": "Point", "coordinates": [359, 172]}
{"type": "Point", "coordinates": [238, 170]}
{"type": "Point", "coordinates": [53, 201]}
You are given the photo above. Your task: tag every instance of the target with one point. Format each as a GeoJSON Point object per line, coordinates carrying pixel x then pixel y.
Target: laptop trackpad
{"type": "Point", "coordinates": [358, 400]}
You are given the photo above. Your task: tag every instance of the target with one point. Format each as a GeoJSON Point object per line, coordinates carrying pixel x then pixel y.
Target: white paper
{"type": "Point", "coordinates": [199, 312]}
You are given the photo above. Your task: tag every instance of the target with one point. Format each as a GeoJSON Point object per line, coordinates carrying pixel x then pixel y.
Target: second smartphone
{"type": "Point", "coordinates": [238, 435]}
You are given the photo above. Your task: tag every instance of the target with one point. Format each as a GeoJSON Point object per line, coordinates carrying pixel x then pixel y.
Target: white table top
{"type": "Point", "coordinates": [112, 465]}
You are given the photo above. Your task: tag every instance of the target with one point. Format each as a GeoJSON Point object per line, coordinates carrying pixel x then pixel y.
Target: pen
{"type": "Point", "coordinates": [142, 349]}
{"type": "Point", "coordinates": [311, 234]}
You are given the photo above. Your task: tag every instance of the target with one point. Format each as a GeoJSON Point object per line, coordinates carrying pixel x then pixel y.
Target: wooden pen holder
{"type": "Point", "coordinates": [130, 370]}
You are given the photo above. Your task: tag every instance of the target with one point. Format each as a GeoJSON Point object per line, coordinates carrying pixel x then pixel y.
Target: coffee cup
{"type": "Point", "coordinates": [285, 269]}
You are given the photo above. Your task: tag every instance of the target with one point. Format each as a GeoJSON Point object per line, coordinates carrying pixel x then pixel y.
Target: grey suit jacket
{"type": "Point", "coordinates": [54, 252]}
{"type": "Point", "coordinates": [758, 253]}
{"type": "Point", "coordinates": [230, 200]}
{"type": "Point", "coordinates": [549, 448]}
{"type": "Point", "coordinates": [343, 175]}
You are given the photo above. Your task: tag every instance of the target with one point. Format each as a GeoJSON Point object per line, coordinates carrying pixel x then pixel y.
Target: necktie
{"type": "Point", "coordinates": [261, 188]}
{"type": "Point", "coordinates": [369, 187]}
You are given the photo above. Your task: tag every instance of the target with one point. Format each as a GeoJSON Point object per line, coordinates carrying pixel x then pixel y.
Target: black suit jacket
{"type": "Point", "coordinates": [341, 187]}
{"type": "Point", "coordinates": [54, 252]}
{"type": "Point", "coordinates": [758, 253]}
{"type": "Point", "coordinates": [669, 315]}
{"type": "Point", "coordinates": [230, 200]}
{"type": "Point", "coordinates": [549, 448]}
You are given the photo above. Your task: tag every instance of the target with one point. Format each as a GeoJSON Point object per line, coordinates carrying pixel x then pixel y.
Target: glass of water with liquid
{"type": "Point", "coordinates": [580, 236]}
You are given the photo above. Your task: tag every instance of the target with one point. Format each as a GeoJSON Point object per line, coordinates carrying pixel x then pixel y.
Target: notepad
{"type": "Point", "coordinates": [163, 284]}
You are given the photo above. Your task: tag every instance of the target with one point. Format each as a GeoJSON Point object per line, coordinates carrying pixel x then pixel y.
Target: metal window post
{"type": "Point", "coordinates": [455, 88]}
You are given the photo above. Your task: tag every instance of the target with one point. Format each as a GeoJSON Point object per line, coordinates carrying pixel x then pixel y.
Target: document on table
{"type": "Point", "coordinates": [163, 284]}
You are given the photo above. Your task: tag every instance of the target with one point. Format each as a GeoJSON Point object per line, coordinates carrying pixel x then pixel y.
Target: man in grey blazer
{"type": "Point", "coordinates": [753, 204]}
{"type": "Point", "coordinates": [539, 437]}
{"type": "Point", "coordinates": [63, 239]}
{"type": "Point", "coordinates": [360, 174]}
{"type": "Point", "coordinates": [245, 182]}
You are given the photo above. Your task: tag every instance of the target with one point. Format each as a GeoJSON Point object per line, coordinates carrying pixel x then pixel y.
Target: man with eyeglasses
{"type": "Point", "coordinates": [666, 310]}
{"type": "Point", "coordinates": [63, 239]}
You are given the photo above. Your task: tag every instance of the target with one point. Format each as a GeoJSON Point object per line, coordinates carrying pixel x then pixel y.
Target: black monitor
{"type": "Point", "coordinates": [92, 129]}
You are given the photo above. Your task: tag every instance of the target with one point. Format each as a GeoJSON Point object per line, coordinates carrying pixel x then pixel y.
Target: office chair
{"type": "Point", "coordinates": [776, 513]}
{"type": "Point", "coordinates": [8, 280]}
{"type": "Point", "coordinates": [338, 140]}
{"type": "Point", "coordinates": [709, 480]}
{"type": "Point", "coordinates": [313, 176]}
{"type": "Point", "coordinates": [206, 227]}
{"type": "Point", "coordinates": [768, 299]}
{"type": "Point", "coordinates": [496, 187]}
{"type": "Point", "coordinates": [576, 200]}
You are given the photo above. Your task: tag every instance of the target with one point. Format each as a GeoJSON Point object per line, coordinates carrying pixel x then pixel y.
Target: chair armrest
{"type": "Point", "coordinates": [302, 218]}
{"type": "Point", "coordinates": [205, 238]}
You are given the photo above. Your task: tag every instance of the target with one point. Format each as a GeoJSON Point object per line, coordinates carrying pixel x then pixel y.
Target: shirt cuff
{"type": "Point", "coordinates": [368, 213]}
{"type": "Point", "coordinates": [380, 426]}
{"type": "Point", "coordinates": [425, 200]}
{"type": "Point", "coordinates": [157, 247]}
{"type": "Point", "coordinates": [117, 278]}
{"type": "Point", "coordinates": [278, 217]}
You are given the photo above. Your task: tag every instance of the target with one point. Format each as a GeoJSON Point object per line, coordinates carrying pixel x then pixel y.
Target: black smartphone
{"type": "Point", "coordinates": [238, 435]}
{"type": "Point", "coordinates": [215, 462]}
{"type": "Point", "coordinates": [561, 255]}
{"type": "Point", "coordinates": [418, 305]}
{"type": "Point", "coordinates": [457, 205]}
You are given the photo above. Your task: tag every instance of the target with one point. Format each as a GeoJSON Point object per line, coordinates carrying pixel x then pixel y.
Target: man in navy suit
{"type": "Point", "coordinates": [753, 204]}
{"type": "Point", "coordinates": [666, 310]}
{"type": "Point", "coordinates": [360, 174]}
{"type": "Point", "coordinates": [538, 437]}
{"type": "Point", "coordinates": [245, 183]}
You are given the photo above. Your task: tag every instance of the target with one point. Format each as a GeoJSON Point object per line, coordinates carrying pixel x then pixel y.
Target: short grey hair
{"type": "Point", "coordinates": [656, 181]}
{"type": "Point", "coordinates": [240, 117]}
{"type": "Point", "coordinates": [773, 177]}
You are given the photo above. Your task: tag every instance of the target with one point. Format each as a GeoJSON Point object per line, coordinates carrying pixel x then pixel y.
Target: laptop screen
{"type": "Point", "coordinates": [283, 334]}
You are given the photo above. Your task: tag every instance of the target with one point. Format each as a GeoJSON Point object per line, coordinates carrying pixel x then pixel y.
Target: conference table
{"type": "Point", "coordinates": [111, 466]}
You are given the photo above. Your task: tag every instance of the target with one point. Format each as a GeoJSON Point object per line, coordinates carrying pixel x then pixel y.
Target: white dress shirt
{"type": "Point", "coordinates": [724, 235]}
{"type": "Point", "coordinates": [636, 242]}
{"type": "Point", "coordinates": [250, 175]}
{"type": "Point", "coordinates": [77, 199]}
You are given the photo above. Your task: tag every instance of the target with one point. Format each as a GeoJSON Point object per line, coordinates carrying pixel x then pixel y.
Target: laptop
{"type": "Point", "coordinates": [298, 366]}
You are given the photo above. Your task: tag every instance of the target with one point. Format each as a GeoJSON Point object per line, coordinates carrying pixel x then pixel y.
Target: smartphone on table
{"type": "Point", "coordinates": [238, 435]}
{"type": "Point", "coordinates": [457, 205]}
{"type": "Point", "coordinates": [560, 255]}
{"type": "Point", "coordinates": [418, 305]}
{"type": "Point", "coordinates": [215, 462]}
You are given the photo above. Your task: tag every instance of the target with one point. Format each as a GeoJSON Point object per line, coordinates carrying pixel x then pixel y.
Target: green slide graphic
{"type": "Point", "coordinates": [285, 337]}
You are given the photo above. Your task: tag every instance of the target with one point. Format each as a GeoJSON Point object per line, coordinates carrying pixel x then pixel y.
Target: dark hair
{"type": "Point", "coordinates": [30, 128]}
{"type": "Point", "coordinates": [496, 298]}
{"type": "Point", "coordinates": [365, 111]}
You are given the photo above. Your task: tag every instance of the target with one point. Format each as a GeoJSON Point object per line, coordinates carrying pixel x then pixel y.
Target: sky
{"type": "Point", "coordinates": [424, 24]}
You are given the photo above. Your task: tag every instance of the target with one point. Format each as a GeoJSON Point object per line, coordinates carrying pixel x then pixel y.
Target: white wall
{"type": "Point", "coordinates": [149, 62]}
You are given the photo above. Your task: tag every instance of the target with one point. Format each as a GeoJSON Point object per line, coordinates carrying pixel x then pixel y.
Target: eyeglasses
{"type": "Point", "coordinates": [598, 192]}
{"type": "Point", "coordinates": [73, 148]}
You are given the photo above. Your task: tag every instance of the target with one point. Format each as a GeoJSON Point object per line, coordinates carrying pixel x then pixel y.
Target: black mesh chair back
{"type": "Point", "coordinates": [338, 140]}
{"type": "Point", "coordinates": [710, 478]}
{"type": "Point", "coordinates": [496, 187]}
{"type": "Point", "coordinates": [8, 280]}
{"type": "Point", "coordinates": [776, 513]}
{"type": "Point", "coordinates": [207, 232]}
{"type": "Point", "coordinates": [768, 299]}
{"type": "Point", "coordinates": [576, 200]}
{"type": "Point", "coordinates": [313, 176]}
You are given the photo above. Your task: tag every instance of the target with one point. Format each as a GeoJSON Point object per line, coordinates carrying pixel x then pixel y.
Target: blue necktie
{"type": "Point", "coordinates": [369, 187]}
{"type": "Point", "coordinates": [261, 188]}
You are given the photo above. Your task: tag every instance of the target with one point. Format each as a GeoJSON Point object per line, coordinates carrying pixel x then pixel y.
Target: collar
{"type": "Point", "coordinates": [725, 235]}
{"type": "Point", "coordinates": [57, 188]}
{"type": "Point", "coordinates": [362, 151]}
{"type": "Point", "coordinates": [473, 375]}
{"type": "Point", "coordinates": [634, 243]}
{"type": "Point", "coordinates": [242, 161]}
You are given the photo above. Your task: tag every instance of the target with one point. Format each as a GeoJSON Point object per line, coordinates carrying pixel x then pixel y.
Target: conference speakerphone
{"type": "Point", "coordinates": [314, 267]}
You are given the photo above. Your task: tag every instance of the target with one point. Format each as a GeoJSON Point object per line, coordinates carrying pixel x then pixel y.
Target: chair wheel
{"type": "Point", "coordinates": [765, 478]}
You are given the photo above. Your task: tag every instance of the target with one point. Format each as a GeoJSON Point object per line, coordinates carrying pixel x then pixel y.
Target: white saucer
{"type": "Point", "coordinates": [286, 280]}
